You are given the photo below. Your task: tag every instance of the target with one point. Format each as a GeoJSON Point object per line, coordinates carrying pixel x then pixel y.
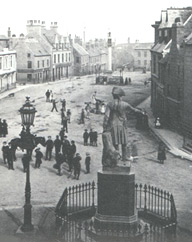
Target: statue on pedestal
{"type": "Point", "coordinates": [115, 129]}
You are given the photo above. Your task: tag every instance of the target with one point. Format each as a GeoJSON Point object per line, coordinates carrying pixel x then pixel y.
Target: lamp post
{"type": "Point", "coordinates": [27, 112]}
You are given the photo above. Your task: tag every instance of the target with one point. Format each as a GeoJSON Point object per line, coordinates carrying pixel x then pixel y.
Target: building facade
{"type": "Point", "coordinates": [33, 61]}
{"type": "Point", "coordinates": [56, 45]}
{"type": "Point", "coordinates": [8, 65]}
{"type": "Point", "coordinates": [171, 69]}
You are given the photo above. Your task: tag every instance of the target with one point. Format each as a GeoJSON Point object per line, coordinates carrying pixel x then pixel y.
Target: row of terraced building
{"type": "Point", "coordinates": [44, 55]}
{"type": "Point", "coordinates": [171, 71]}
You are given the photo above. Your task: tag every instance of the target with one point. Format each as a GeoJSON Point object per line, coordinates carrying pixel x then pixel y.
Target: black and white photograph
{"type": "Point", "coordinates": [96, 121]}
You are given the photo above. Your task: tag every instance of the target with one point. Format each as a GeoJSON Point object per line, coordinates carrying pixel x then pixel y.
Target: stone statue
{"type": "Point", "coordinates": [115, 129]}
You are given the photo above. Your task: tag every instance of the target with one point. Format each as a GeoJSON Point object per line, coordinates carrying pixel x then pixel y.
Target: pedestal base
{"type": "Point", "coordinates": [105, 219]}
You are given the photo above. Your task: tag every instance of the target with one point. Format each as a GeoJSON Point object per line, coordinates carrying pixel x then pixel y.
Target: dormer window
{"type": "Point", "coordinates": [160, 33]}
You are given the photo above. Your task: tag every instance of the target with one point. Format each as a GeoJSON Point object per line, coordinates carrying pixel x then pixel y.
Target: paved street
{"type": "Point", "coordinates": [174, 176]}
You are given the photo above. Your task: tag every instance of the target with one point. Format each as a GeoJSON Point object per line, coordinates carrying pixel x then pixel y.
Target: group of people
{"type": "Point", "coordinates": [90, 138]}
{"type": "Point", "coordinates": [8, 157]}
{"type": "Point", "coordinates": [49, 95]}
{"type": "Point", "coordinates": [3, 128]}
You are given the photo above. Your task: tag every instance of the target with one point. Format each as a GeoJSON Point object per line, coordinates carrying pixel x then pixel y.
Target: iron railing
{"type": "Point", "coordinates": [149, 201]}
{"type": "Point", "coordinates": [75, 199]}
{"type": "Point", "coordinates": [154, 201]}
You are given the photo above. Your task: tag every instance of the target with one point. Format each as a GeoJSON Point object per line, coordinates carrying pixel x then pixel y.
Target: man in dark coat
{"type": "Point", "coordinates": [25, 160]}
{"type": "Point", "coordinates": [65, 147]}
{"type": "Point", "coordinates": [59, 161]}
{"type": "Point", "coordinates": [38, 156]}
{"type": "Point", "coordinates": [49, 147]}
{"type": "Point", "coordinates": [72, 151]}
{"type": "Point", "coordinates": [5, 151]}
{"type": "Point", "coordinates": [77, 166]}
{"type": "Point", "coordinates": [47, 94]}
{"type": "Point", "coordinates": [57, 144]}
{"type": "Point", "coordinates": [95, 135]}
{"type": "Point", "coordinates": [85, 137]}
{"type": "Point", "coordinates": [62, 134]}
{"type": "Point", "coordinates": [87, 162]}
{"type": "Point", "coordinates": [91, 137]}
{"type": "Point", "coordinates": [82, 118]}
{"type": "Point", "coordinates": [4, 128]}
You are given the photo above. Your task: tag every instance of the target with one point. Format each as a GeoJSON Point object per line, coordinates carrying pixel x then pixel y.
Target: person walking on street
{"type": "Point", "coordinates": [71, 154]}
{"type": "Point", "coordinates": [161, 156]}
{"type": "Point", "coordinates": [49, 146]}
{"type": "Point", "coordinates": [82, 118]}
{"type": "Point", "coordinates": [62, 134]}
{"type": "Point", "coordinates": [54, 105]}
{"type": "Point", "coordinates": [63, 103]}
{"type": "Point", "coordinates": [57, 144]}
{"type": "Point", "coordinates": [25, 160]}
{"type": "Point", "coordinates": [77, 166]}
{"type": "Point", "coordinates": [47, 94]}
{"type": "Point", "coordinates": [5, 151]}
{"type": "Point", "coordinates": [69, 116]}
{"type": "Point", "coordinates": [87, 162]}
{"type": "Point", "coordinates": [91, 137]}
{"type": "Point", "coordinates": [85, 137]}
{"type": "Point", "coordinates": [65, 148]}
{"type": "Point", "coordinates": [64, 122]}
{"type": "Point", "coordinates": [4, 128]}
{"type": "Point", "coordinates": [59, 161]}
{"type": "Point", "coordinates": [38, 156]}
{"type": "Point", "coordinates": [95, 136]}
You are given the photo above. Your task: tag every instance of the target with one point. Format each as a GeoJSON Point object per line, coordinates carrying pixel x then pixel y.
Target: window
{"type": "Point", "coordinates": [145, 62]}
{"type": "Point", "coordinates": [54, 58]}
{"type": "Point", "coordinates": [40, 75]}
{"type": "Point", "coordinates": [58, 58]}
{"type": "Point", "coordinates": [62, 57]}
{"type": "Point", "coordinates": [77, 59]}
{"type": "Point", "coordinates": [139, 62]}
{"type": "Point", "coordinates": [160, 33]}
{"type": "Point", "coordinates": [28, 55]}
{"type": "Point", "coordinates": [1, 63]}
{"type": "Point", "coordinates": [5, 62]}
{"type": "Point", "coordinates": [57, 46]}
{"type": "Point", "coordinates": [139, 54]}
{"type": "Point", "coordinates": [29, 77]}
{"type": "Point", "coordinates": [29, 64]}
{"type": "Point", "coordinates": [47, 62]}
{"type": "Point", "coordinates": [38, 64]}
{"type": "Point", "coordinates": [69, 57]}
{"type": "Point", "coordinates": [166, 32]}
{"type": "Point", "coordinates": [43, 63]}
{"type": "Point", "coordinates": [66, 57]}
{"type": "Point", "coordinates": [145, 54]}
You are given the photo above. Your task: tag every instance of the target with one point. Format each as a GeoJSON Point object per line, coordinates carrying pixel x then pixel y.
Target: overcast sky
{"type": "Point", "coordinates": [124, 18]}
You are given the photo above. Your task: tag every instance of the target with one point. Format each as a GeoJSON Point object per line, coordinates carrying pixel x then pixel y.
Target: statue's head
{"type": "Point", "coordinates": [117, 92]}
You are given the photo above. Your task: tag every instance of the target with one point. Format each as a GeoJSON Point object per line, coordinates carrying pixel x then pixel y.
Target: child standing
{"type": "Point", "coordinates": [87, 162]}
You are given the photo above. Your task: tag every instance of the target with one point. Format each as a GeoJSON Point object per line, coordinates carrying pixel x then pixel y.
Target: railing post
{"type": "Point", "coordinates": [93, 194]}
{"type": "Point", "coordinates": [145, 197]}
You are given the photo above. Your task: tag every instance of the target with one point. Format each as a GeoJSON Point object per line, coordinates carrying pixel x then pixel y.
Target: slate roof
{"type": "Point", "coordinates": [172, 14]}
{"type": "Point", "coordinates": [32, 45]}
{"type": "Point", "coordinates": [80, 49]}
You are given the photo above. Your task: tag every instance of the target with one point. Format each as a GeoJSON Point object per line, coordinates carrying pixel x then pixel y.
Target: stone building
{"type": "Point", "coordinates": [8, 65]}
{"type": "Point", "coordinates": [33, 61]}
{"type": "Point", "coordinates": [81, 60]}
{"type": "Point", "coordinates": [56, 45]}
{"type": "Point", "coordinates": [142, 56]}
{"type": "Point", "coordinates": [171, 87]}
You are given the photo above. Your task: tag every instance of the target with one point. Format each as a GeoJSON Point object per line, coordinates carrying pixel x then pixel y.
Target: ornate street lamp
{"type": "Point", "coordinates": [27, 117]}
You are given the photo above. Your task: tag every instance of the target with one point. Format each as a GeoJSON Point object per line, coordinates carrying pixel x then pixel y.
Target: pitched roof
{"type": "Point", "coordinates": [172, 13]}
{"type": "Point", "coordinates": [3, 37]}
{"type": "Point", "coordinates": [143, 46]}
{"type": "Point", "coordinates": [32, 45]}
{"type": "Point", "coordinates": [80, 49]}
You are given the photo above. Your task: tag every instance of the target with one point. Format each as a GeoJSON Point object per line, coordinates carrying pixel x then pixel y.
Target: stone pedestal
{"type": "Point", "coordinates": [116, 196]}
